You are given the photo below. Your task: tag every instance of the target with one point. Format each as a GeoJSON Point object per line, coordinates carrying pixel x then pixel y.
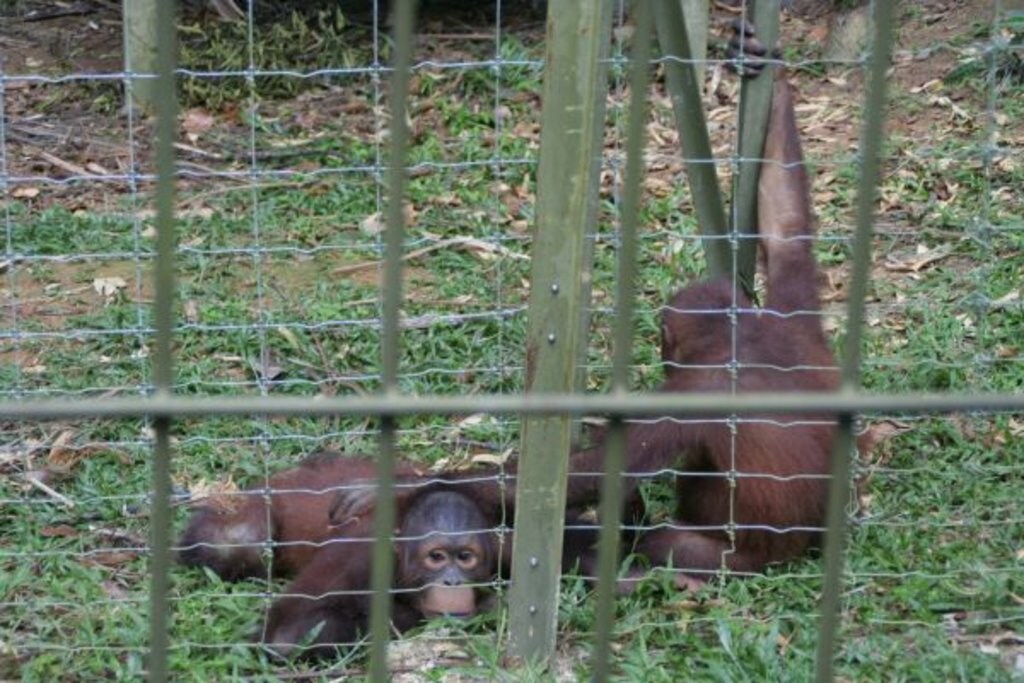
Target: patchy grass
{"type": "Point", "coordinates": [278, 293]}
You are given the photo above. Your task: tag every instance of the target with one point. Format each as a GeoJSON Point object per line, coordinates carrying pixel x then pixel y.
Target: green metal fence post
{"type": "Point", "coordinates": [615, 455]}
{"type": "Point", "coordinates": [141, 26]}
{"type": "Point", "coordinates": [384, 511]}
{"type": "Point", "coordinates": [755, 104]}
{"type": "Point", "coordinates": [166, 110]}
{"type": "Point", "coordinates": [586, 272]}
{"type": "Point", "coordinates": [681, 81]}
{"type": "Point", "coordinates": [572, 127]}
{"type": "Point", "coordinates": [697, 16]}
{"type": "Point", "coordinates": [839, 486]}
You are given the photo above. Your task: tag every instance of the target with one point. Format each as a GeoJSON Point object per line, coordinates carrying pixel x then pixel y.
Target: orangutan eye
{"type": "Point", "coordinates": [437, 557]}
{"type": "Point", "coordinates": [466, 558]}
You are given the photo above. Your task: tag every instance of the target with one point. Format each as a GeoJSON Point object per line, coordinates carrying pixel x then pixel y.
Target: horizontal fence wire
{"type": "Point", "coordinates": [810, 402]}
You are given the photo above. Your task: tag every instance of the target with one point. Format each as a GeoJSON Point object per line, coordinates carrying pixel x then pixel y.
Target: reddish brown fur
{"type": "Point", "coordinates": [444, 551]}
{"type": "Point", "coordinates": [333, 589]}
{"type": "Point", "coordinates": [228, 533]}
{"type": "Point", "coordinates": [787, 352]}
{"type": "Point", "coordinates": [448, 557]}
{"type": "Point", "coordinates": [774, 353]}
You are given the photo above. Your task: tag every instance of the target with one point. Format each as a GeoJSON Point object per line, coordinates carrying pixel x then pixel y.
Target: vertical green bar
{"type": "Point", "coordinates": [755, 104]}
{"type": "Point", "coordinates": [681, 81]}
{"type": "Point", "coordinates": [586, 272]}
{"type": "Point", "coordinates": [166, 109]}
{"type": "Point", "coordinates": [611, 485]}
{"type": "Point", "coordinates": [141, 26]}
{"type": "Point", "coordinates": [696, 13]}
{"type": "Point", "coordinates": [384, 513]}
{"type": "Point", "coordinates": [572, 127]}
{"type": "Point", "coordinates": [839, 486]}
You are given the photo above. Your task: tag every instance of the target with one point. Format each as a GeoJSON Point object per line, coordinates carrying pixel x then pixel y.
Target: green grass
{"type": "Point", "coordinates": [934, 566]}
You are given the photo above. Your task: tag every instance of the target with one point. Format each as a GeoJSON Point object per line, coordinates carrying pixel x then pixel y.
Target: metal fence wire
{"type": "Point", "coordinates": [355, 227]}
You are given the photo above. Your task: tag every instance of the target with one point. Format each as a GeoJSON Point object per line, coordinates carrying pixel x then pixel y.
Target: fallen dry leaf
{"type": "Point", "coordinates": [196, 121]}
{"type": "Point", "coordinates": [473, 420]}
{"type": "Point", "coordinates": [409, 214]}
{"type": "Point", "coordinates": [22, 192]}
{"type": "Point", "coordinates": [58, 531]}
{"type": "Point", "coordinates": [881, 431]}
{"type": "Point", "coordinates": [946, 103]}
{"type": "Point", "coordinates": [1006, 352]}
{"type": "Point", "coordinates": [925, 257]}
{"type": "Point", "coordinates": [414, 654]}
{"type": "Point", "coordinates": [108, 287]}
{"type": "Point", "coordinates": [190, 309]}
{"type": "Point", "coordinates": [121, 537]}
{"type": "Point", "coordinates": [491, 458]}
{"type": "Point", "coordinates": [111, 558]}
{"type": "Point", "coordinates": [44, 477]}
{"type": "Point", "coordinates": [483, 250]}
{"type": "Point", "coordinates": [1008, 298]}
{"type": "Point", "coordinates": [933, 84]}
{"type": "Point", "coordinates": [818, 33]}
{"type": "Point", "coordinates": [216, 495]}
{"type": "Point", "coordinates": [61, 459]}
{"type": "Point", "coordinates": [202, 212]}
{"type": "Point", "coordinates": [836, 286]}
{"type": "Point", "coordinates": [372, 225]}
{"type": "Point", "coordinates": [782, 643]}
{"type": "Point", "coordinates": [113, 590]}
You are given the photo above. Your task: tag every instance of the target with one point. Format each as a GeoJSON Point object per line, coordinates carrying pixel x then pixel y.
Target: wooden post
{"type": "Point", "coordinates": [697, 19]}
{"type": "Point", "coordinates": [681, 81]}
{"type": "Point", "coordinates": [615, 448]}
{"type": "Point", "coordinates": [695, 12]}
{"type": "Point", "coordinates": [572, 127]}
{"type": "Point", "coordinates": [140, 30]}
{"type": "Point", "coordinates": [755, 104]}
{"type": "Point", "coordinates": [384, 514]}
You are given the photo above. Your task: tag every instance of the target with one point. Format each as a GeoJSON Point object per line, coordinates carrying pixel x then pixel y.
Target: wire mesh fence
{"type": "Point", "coordinates": [280, 162]}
